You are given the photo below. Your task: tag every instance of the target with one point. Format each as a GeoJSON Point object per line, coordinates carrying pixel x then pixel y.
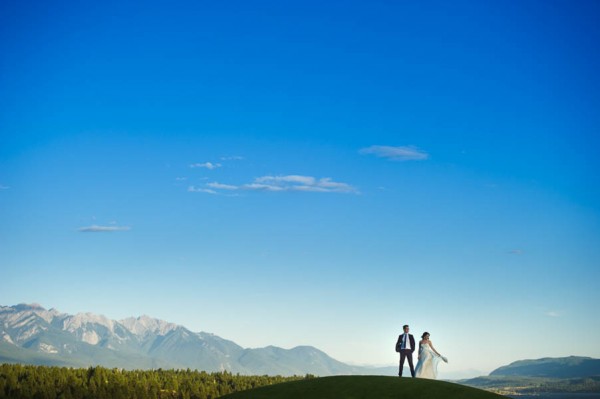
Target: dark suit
{"type": "Point", "coordinates": [405, 353]}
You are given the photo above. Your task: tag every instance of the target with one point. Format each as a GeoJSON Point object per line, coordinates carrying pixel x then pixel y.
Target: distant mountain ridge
{"type": "Point", "coordinates": [562, 367]}
{"type": "Point", "coordinates": [573, 374]}
{"type": "Point", "coordinates": [32, 334]}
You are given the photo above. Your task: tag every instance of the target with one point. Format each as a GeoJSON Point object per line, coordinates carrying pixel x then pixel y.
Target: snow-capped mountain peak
{"type": "Point", "coordinates": [80, 320]}
{"type": "Point", "coordinates": [24, 311]}
{"type": "Point", "coordinates": [144, 325]}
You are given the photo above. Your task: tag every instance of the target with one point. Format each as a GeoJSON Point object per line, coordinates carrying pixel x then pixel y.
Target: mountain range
{"type": "Point", "coordinates": [32, 334]}
{"type": "Point", "coordinates": [566, 375]}
{"type": "Point", "coordinates": [550, 367]}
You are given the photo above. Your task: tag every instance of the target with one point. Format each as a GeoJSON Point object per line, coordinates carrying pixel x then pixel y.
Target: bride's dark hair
{"type": "Point", "coordinates": [424, 334]}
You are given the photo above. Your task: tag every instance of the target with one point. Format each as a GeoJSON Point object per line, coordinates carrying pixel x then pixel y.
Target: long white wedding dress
{"type": "Point", "coordinates": [428, 362]}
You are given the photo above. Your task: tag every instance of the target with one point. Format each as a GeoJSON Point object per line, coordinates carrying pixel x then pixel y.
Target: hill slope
{"type": "Point", "coordinates": [364, 387]}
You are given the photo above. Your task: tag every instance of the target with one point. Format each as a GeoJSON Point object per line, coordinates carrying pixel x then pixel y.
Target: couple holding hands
{"type": "Point", "coordinates": [428, 356]}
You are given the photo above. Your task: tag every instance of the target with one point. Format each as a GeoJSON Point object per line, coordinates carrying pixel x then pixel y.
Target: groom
{"type": "Point", "coordinates": [406, 346]}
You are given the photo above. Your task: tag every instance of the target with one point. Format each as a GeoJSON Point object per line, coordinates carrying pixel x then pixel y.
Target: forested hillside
{"type": "Point", "coordinates": [39, 382]}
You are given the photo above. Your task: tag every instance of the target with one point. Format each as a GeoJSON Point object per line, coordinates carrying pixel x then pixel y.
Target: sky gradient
{"type": "Point", "coordinates": [309, 173]}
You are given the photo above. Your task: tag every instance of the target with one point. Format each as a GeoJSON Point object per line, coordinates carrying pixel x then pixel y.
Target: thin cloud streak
{"type": "Point", "coordinates": [220, 186]}
{"type": "Point", "coordinates": [232, 158]}
{"type": "Point", "coordinates": [299, 183]}
{"type": "Point", "coordinates": [305, 180]}
{"type": "Point", "coordinates": [282, 183]}
{"type": "Point", "coordinates": [193, 189]}
{"type": "Point", "coordinates": [206, 165]}
{"type": "Point", "coordinates": [403, 153]}
{"type": "Point", "coordinates": [102, 229]}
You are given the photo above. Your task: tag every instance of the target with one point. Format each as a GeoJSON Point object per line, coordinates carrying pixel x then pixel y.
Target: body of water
{"type": "Point", "coordinates": [558, 396]}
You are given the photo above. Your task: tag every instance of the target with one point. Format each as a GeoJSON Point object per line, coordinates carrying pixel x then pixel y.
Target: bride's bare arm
{"type": "Point", "coordinates": [431, 345]}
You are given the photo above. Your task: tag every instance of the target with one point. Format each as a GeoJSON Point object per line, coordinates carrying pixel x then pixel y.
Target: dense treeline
{"type": "Point", "coordinates": [40, 382]}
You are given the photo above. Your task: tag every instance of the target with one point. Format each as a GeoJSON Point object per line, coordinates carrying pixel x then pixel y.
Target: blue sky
{"type": "Point", "coordinates": [309, 173]}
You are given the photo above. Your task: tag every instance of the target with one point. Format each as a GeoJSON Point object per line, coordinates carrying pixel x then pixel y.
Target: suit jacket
{"type": "Point", "coordinates": [410, 338]}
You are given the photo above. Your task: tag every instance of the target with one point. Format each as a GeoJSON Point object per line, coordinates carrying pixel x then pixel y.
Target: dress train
{"type": "Point", "coordinates": [428, 362]}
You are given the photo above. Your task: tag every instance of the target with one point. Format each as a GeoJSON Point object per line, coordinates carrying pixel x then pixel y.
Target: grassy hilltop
{"type": "Point", "coordinates": [364, 387]}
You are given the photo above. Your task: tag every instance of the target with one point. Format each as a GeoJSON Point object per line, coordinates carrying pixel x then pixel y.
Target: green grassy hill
{"type": "Point", "coordinates": [364, 387]}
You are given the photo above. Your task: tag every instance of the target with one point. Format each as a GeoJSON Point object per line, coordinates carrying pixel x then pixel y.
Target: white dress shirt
{"type": "Point", "coordinates": [406, 343]}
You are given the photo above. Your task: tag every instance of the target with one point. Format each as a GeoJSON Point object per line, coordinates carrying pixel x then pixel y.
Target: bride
{"type": "Point", "coordinates": [428, 359]}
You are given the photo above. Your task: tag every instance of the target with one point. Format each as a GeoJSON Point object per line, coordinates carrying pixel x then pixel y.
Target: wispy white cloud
{"type": "Point", "coordinates": [261, 187]}
{"type": "Point", "coordinates": [282, 183]}
{"type": "Point", "coordinates": [403, 153]}
{"type": "Point", "coordinates": [220, 186]}
{"type": "Point", "coordinates": [193, 189]}
{"type": "Point", "coordinates": [180, 178]}
{"type": "Point", "coordinates": [294, 179]}
{"type": "Point", "coordinates": [299, 183]}
{"type": "Point", "coordinates": [232, 158]}
{"type": "Point", "coordinates": [553, 313]}
{"type": "Point", "coordinates": [207, 165]}
{"type": "Point", "coordinates": [102, 229]}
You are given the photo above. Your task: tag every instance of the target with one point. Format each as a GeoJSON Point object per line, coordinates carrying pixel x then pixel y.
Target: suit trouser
{"type": "Point", "coordinates": [406, 354]}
